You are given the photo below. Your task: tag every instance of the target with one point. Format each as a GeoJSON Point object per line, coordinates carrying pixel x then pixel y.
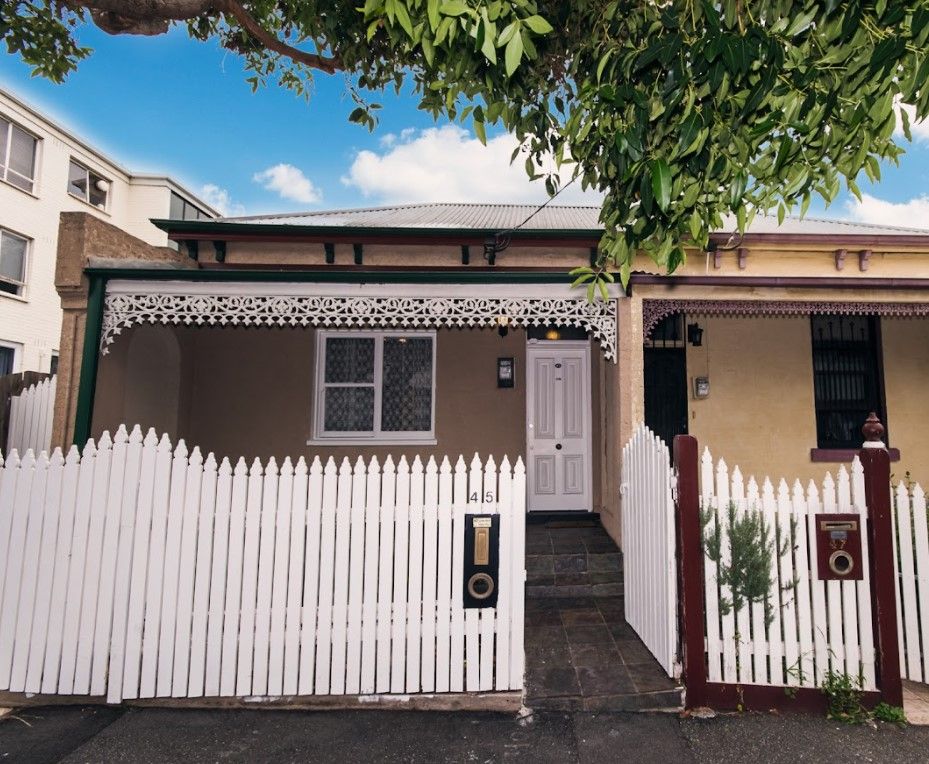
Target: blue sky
{"type": "Point", "coordinates": [171, 105]}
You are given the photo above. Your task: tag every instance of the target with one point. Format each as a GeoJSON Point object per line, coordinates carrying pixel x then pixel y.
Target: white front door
{"type": "Point", "coordinates": [558, 426]}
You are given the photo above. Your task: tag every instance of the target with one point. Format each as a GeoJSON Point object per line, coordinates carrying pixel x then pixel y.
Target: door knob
{"type": "Point", "coordinates": [558, 446]}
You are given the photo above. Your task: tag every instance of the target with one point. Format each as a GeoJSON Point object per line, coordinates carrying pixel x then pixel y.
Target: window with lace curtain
{"type": "Point", "coordinates": [375, 386]}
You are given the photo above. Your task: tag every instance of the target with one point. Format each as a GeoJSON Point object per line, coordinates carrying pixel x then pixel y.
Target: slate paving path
{"type": "Point", "coordinates": [580, 652]}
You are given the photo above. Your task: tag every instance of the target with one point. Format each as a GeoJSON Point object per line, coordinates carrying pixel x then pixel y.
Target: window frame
{"type": "Point", "coordinates": [27, 259]}
{"type": "Point", "coordinates": [86, 198]}
{"type": "Point", "coordinates": [375, 436]}
{"type": "Point", "coordinates": [17, 349]}
{"type": "Point", "coordinates": [876, 350]}
{"type": "Point", "coordinates": [36, 157]}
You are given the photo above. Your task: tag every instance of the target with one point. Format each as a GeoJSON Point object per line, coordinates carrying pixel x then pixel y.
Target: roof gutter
{"type": "Point", "coordinates": [770, 282]}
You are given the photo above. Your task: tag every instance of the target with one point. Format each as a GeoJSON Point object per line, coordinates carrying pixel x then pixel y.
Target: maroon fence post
{"type": "Point", "coordinates": [876, 462]}
{"type": "Point", "coordinates": [690, 570]}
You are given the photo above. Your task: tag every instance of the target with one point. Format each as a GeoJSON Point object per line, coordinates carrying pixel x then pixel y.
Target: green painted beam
{"type": "Point", "coordinates": [89, 359]}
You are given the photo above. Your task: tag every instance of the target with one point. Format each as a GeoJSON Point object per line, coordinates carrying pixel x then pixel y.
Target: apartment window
{"type": "Point", "coordinates": [13, 252]}
{"type": "Point", "coordinates": [181, 209]}
{"type": "Point", "coordinates": [848, 378]}
{"type": "Point", "coordinates": [375, 386]}
{"type": "Point", "coordinates": [17, 155]}
{"type": "Point", "coordinates": [87, 185]}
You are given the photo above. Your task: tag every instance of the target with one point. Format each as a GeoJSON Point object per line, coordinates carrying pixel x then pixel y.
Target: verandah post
{"type": "Point", "coordinates": [690, 570]}
{"type": "Point", "coordinates": [876, 462]}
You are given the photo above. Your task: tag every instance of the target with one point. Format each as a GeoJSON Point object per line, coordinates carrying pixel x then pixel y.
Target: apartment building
{"type": "Point", "coordinates": [44, 170]}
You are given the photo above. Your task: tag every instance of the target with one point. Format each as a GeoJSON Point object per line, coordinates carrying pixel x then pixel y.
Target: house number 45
{"type": "Point", "coordinates": [488, 497]}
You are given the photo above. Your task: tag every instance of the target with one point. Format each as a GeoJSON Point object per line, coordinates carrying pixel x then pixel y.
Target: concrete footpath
{"type": "Point", "coordinates": [98, 734]}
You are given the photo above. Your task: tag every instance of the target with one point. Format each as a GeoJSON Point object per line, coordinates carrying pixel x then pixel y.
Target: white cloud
{"type": "Point", "coordinates": [289, 182]}
{"type": "Point", "coordinates": [447, 164]}
{"type": "Point", "coordinates": [919, 130]}
{"type": "Point", "coordinates": [219, 199]}
{"type": "Point", "coordinates": [911, 214]}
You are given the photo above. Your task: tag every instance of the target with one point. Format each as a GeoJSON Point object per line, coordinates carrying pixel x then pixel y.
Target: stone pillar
{"type": "Point", "coordinates": [86, 241]}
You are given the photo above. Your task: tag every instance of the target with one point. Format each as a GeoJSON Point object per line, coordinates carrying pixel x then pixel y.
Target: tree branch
{"type": "Point", "coordinates": [271, 42]}
{"type": "Point", "coordinates": [153, 17]}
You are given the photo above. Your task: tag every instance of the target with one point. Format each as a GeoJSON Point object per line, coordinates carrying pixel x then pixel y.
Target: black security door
{"type": "Point", "coordinates": [666, 392]}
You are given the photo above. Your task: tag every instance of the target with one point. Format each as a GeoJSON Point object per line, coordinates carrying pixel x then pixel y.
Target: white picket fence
{"type": "Point", "coordinates": [31, 414]}
{"type": "Point", "coordinates": [649, 545]}
{"type": "Point", "coordinates": [816, 625]}
{"type": "Point", "coordinates": [911, 550]}
{"type": "Point", "coordinates": [134, 572]}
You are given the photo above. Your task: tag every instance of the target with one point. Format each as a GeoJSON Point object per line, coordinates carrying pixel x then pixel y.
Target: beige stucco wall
{"type": "Point", "coordinates": [249, 392]}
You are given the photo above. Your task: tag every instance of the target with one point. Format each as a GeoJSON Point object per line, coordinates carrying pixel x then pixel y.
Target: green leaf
{"type": "Point", "coordinates": [480, 131]}
{"type": "Point", "coordinates": [538, 25]}
{"type": "Point", "coordinates": [514, 52]}
{"type": "Point", "coordinates": [432, 10]}
{"type": "Point", "coordinates": [454, 8]}
{"type": "Point", "coordinates": [661, 183]}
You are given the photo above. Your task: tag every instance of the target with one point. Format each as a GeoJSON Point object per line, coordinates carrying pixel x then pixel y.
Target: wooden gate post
{"type": "Point", "coordinates": [690, 570]}
{"type": "Point", "coordinates": [876, 462]}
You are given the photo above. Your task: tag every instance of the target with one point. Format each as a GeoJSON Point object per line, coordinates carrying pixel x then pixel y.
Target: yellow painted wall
{"type": "Point", "coordinates": [760, 410]}
{"type": "Point", "coordinates": [906, 387]}
{"type": "Point", "coordinates": [760, 413]}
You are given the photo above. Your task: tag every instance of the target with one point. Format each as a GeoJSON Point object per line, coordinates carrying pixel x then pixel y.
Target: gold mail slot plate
{"type": "Point", "coordinates": [482, 546]}
{"type": "Point", "coordinates": [838, 525]}
{"type": "Point", "coordinates": [483, 522]}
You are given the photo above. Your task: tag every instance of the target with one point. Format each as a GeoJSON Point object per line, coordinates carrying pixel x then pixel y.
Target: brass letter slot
{"type": "Point", "coordinates": [482, 546]}
{"type": "Point", "coordinates": [838, 525]}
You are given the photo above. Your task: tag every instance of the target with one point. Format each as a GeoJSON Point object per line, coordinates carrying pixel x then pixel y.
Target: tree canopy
{"type": "Point", "coordinates": [682, 112]}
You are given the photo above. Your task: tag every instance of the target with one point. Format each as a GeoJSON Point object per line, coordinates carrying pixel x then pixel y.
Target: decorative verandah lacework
{"type": "Point", "coordinates": [654, 310]}
{"type": "Point", "coordinates": [125, 309]}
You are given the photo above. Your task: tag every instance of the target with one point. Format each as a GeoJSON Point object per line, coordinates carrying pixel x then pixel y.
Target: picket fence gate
{"type": "Point", "coordinates": [649, 551]}
{"type": "Point", "coordinates": [31, 414]}
{"type": "Point", "coordinates": [134, 570]}
{"type": "Point", "coordinates": [815, 625]}
{"type": "Point", "coordinates": [911, 552]}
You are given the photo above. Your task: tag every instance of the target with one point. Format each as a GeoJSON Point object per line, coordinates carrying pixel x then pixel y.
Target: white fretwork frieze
{"type": "Point", "coordinates": [125, 309]}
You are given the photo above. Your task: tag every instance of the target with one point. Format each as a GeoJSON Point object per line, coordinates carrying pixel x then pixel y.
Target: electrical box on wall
{"type": "Point", "coordinates": [506, 372]}
{"type": "Point", "coordinates": [701, 387]}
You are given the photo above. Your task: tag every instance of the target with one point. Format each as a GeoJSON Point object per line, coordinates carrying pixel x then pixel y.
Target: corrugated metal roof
{"type": "Point", "coordinates": [501, 217]}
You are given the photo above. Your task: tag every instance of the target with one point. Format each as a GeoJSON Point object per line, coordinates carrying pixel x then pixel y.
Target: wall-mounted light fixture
{"type": "Point", "coordinates": [553, 334]}
{"type": "Point", "coordinates": [503, 325]}
{"type": "Point", "coordinates": [695, 335]}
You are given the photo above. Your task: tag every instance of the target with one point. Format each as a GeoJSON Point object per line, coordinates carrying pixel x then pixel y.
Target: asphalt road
{"type": "Point", "coordinates": [96, 734]}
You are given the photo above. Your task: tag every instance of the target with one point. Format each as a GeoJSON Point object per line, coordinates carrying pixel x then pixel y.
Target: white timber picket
{"type": "Point", "coordinates": [135, 569]}
{"type": "Point", "coordinates": [488, 615]}
{"type": "Point", "coordinates": [804, 564]}
{"type": "Point", "coordinates": [744, 626]}
{"type": "Point", "coordinates": [444, 594]}
{"type": "Point", "coordinates": [171, 576]}
{"type": "Point", "coordinates": [39, 633]}
{"type": "Point", "coordinates": [710, 578]}
{"type": "Point", "coordinates": [340, 587]}
{"type": "Point", "coordinates": [504, 596]}
{"type": "Point", "coordinates": [459, 507]}
{"type": "Point", "coordinates": [858, 505]}
{"type": "Point", "coordinates": [234, 575]}
{"type": "Point", "coordinates": [175, 673]}
{"type": "Point", "coordinates": [820, 612]}
{"type": "Point", "coordinates": [222, 537]}
{"type": "Point", "coordinates": [207, 531]}
{"type": "Point", "coordinates": [385, 579]}
{"type": "Point", "coordinates": [303, 577]}
{"type": "Point", "coordinates": [727, 618]}
{"type": "Point", "coordinates": [911, 551]}
{"type": "Point", "coordinates": [759, 621]}
{"type": "Point", "coordinates": [82, 519]}
{"type": "Point", "coordinates": [25, 582]}
{"type": "Point", "coordinates": [429, 576]}
{"type": "Point", "coordinates": [259, 657]}
{"type": "Point", "coordinates": [278, 621]}
{"type": "Point", "coordinates": [372, 541]}
{"type": "Point", "coordinates": [414, 612]}
{"type": "Point", "coordinates": [850, 590]}
{"type": "Point", "coordinates": [835, 639]}
{"type": "Point", "coordinates": [785, 599]}
{"type": "Point", "coordinates": [401, 568]}
{"type": "Point", "coordinates": [329, 555]}
{"type": "Point", "coordinates": [472, 615]}
{"type": "Point", "coordinates": [355, 579]}
{"type": "Point", "coordinates": [921, 542]}
{"type": "Point", "coordinates": [518, 576]}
